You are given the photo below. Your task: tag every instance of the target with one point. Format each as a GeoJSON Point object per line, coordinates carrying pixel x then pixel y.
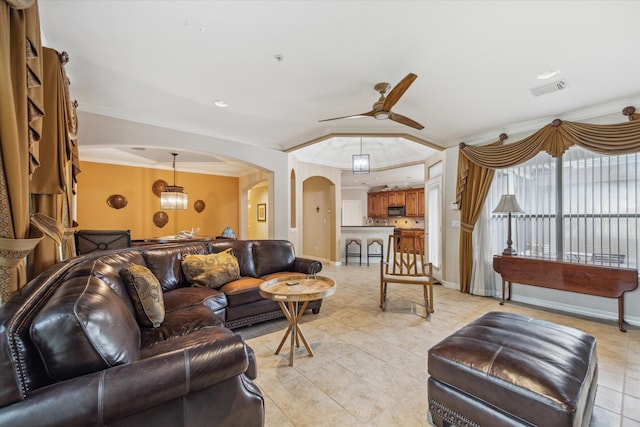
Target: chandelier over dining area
{"type": "Point", "coordinates": [173, 197]}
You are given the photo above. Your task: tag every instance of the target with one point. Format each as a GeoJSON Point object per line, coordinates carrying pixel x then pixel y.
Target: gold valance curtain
{"type": "Point", "coordinates": [476, 166]}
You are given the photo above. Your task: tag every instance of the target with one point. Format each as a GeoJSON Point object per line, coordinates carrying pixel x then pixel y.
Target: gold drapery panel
{"type": "Point", "coordinates": [20, 126]}
{"type": "Point", "coordinates": [473, 197]}
{"type": "Point", "coordinates": [477, 163]}
{"type": "Point", "coordinates": [52, 184]}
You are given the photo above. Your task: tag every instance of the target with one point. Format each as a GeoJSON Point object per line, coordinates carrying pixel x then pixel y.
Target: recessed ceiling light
{"type": "Point", "coordinates": [220, 103]}
{"type": "Point", "coordinates": [548, 74]}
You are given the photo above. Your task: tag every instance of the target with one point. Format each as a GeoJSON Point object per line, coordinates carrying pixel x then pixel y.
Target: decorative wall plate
{"type": "Point", "coordinates": [117, 201]}
{"type": "Point", "coordinates": [198, 205]}
{"type": "Point", "coordinates": [160, 219]}
{"type": "Point", "coordinates": [158, 187]}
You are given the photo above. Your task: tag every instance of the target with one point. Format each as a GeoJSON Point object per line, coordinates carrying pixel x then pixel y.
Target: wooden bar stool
{"type": "Point", "coordinates": [370, 253]}
{"type": "Point", "coordinates": [351, 244]}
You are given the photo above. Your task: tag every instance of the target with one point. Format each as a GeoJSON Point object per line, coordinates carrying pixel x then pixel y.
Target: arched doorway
{"type": "Point", "coordinates": [257, 211]}
{"type": "Point", "coordinates": [319, 218]}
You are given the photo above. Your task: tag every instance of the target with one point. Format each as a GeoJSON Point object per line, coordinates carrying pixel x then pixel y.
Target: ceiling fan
{"type": "Point", "coordinates": [382, 107]}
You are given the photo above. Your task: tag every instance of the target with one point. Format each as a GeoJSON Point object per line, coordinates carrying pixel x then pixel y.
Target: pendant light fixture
{"type": "Point", "coordinates": [360, 162]}
{"type": "Point", "coordinates": [173, 197]}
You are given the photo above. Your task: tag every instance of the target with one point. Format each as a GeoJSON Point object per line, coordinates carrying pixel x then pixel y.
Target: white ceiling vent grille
{"type": "Point", "coordinates": [550, 87]}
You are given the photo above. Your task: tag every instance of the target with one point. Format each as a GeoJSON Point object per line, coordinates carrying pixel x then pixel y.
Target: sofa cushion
{"type": "Point", "coordinates": [164, 262]}
{"type": "Point", "coordinates": [212, 270]}
{"type": "Point", "coordinates": [85, 327]}
{"type": "Point", "coordinates": [242, 250]}
{"type": "Point", "coordinates": [242, 291]}
{"type": "Point", "coordinates": [180, 298]}
{"type": "Point", "coordinates": [146, 294]}
{"type": "Point", "coordinates": [179, 323]}
{"type": "Point", "coordinates": [271, 256]}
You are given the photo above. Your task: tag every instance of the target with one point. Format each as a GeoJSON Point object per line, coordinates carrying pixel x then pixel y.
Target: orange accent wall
{"type": "Point", "coordinates": [98, 181]}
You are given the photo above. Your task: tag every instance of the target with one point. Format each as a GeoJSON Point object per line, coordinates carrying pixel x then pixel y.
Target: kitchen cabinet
{"type": "Point", "coordinates": [372, 205]}
{"type": "Point", "coordinates": [382, 199]}
{"type": "Point", "coordinates": [421, 202]}
{"type": "Point", "coordinates": [411, 197]}
{"type": "Point", "coordinates": [377, 204]}
{"type": "Point", "coordinates": [397, 198]}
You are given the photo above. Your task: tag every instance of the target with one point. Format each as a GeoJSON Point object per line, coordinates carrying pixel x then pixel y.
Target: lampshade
{"type": "Point", "coordinates": [173, 197]}
{"type": "Point", "coordinates": [508, 204]}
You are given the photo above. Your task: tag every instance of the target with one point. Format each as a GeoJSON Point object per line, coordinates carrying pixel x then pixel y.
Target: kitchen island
{"type": "Point", "coordinates": [364, 232]}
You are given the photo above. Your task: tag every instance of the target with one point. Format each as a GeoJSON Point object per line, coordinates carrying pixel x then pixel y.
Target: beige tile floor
{"type": "Point", "coordinates": [370, 367]}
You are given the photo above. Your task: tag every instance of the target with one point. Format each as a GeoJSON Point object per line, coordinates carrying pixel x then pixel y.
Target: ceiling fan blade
{"type": "Point", "coordinates": [368, 114]}
{"type": "Point", "coordinates": [398, 91]}
{"type": "Point", "coordinates": [405, 121]}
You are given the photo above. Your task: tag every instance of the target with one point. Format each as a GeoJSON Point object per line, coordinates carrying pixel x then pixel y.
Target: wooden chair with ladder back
{"type": "Point", "coordinates": [406, 264]}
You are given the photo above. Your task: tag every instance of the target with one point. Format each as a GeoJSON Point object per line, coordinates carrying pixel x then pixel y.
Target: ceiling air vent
{"type": "Point", "coordinates": [550, 87]}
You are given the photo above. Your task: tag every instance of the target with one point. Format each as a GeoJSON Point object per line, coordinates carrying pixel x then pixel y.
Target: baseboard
{"type": "Point", "coordinates": [576, 309]}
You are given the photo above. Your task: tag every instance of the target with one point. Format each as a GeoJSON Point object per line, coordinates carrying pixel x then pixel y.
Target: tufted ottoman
{"type": "Point", "coordinates": [504, 369]}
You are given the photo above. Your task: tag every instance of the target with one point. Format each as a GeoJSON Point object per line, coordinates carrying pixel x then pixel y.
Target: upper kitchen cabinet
{"type": "Point", "coordinates": [382, 199]}
{"type": "Point", "coordinates": [377, 204]}
{"type": "Point", "coordinates": [397, 198]}
{"type": "Point", "coordinates": [372, 205]}
{"type": "Point", "coordinates": [412, 199]}
{"type": "Point", "coordinates": [415, 202]}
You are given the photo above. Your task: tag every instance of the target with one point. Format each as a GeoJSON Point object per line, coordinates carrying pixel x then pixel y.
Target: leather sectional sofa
{"type": "Point", "coordinates": [74, 352]}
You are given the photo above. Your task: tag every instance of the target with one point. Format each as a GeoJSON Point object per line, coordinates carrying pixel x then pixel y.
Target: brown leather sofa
{"type": "Point", "coordinates": [72, 353]}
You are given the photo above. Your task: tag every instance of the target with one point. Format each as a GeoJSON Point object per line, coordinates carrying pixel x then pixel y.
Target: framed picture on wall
{"type": "Point", "coordinates": [262, 212]}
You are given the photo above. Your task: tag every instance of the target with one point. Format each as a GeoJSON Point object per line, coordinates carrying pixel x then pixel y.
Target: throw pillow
{"type": "Point", "coordinates": [146, 294]}
{"type": "Point", "coordinates": [212, 270]}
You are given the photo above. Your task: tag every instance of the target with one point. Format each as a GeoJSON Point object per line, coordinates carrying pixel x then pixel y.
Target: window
{"type": "Point", "coordinates": [582, 207]}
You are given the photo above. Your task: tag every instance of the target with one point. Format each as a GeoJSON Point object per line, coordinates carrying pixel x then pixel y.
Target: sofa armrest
{"type": "Point", "coordinates": [307, 266]}
{"type": "Point", "coordinates": [115, 393]}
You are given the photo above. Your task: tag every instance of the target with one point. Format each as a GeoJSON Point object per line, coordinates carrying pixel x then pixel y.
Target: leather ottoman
{"type": "Point", "coordinates": [504, 369]}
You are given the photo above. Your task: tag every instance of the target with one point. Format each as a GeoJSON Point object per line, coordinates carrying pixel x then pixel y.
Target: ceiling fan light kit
{"type": "Point", "coordinates": [382, 107]}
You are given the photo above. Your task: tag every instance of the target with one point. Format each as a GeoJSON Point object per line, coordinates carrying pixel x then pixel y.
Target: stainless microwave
{"type": "Point", "coordinates": [395, 211]}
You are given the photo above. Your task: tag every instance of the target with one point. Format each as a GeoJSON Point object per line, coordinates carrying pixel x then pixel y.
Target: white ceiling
{"type": "Point", "coordinates": [164, 64]}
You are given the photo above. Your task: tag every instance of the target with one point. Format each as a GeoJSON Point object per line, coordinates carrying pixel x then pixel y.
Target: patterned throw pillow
{"type": "Point", "coordinates": [212, 270]}
{"type": "Point", "coordinates": [146, 294]}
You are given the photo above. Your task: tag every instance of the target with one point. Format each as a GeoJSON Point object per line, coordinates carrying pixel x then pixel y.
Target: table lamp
{"type": "Point", "coordinates": [508, 204]}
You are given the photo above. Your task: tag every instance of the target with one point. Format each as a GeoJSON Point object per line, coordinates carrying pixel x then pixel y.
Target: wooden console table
{"type": "Point", "coordinates": [601, 281]}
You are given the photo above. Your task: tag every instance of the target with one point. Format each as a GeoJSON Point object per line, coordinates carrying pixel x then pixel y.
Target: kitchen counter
{"type": "Point", "coordinates": [367, 226]}
{"type": "Point", "coordinates": [364, 232]}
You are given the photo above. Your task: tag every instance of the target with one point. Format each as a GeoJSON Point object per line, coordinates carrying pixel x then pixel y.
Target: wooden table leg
{"type": "Point", "coordinates": [287, 314]}
{"type": "Point", "coordinates": [293, 314]}
{"type": "Point", "coordinates": [621, 314]}
{"type": "Point", "coordinates": [299, 331]}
